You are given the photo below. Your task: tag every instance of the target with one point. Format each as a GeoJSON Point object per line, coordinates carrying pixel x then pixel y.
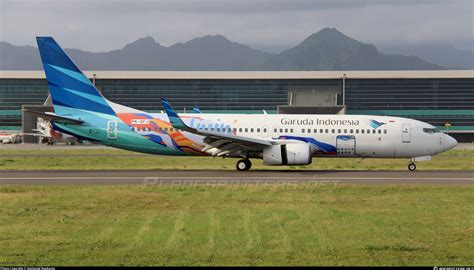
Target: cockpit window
{"type": "Point", "coordinates": [430, 130]}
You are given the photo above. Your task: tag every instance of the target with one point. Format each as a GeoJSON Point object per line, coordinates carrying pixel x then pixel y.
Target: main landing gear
{"type": "Point", "coordinates": [243, 165]}
{"type": "Point", "coordinates": [412, 166]}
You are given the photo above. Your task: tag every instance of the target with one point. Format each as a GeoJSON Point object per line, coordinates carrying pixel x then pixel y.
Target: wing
{"type": "Point", "coordinates": [225, 143]}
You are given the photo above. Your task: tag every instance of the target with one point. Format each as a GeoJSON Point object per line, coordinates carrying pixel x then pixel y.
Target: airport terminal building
{"type": "Point", "coordinates": [444, 98]}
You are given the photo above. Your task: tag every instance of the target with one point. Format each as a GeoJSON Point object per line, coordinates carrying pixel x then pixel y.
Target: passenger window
{"type": "Point", "coordinates": [373, 131]}
{"type": "Point", "coordinates": [321, 131]}
{"type": "Point", "coordinates": [281, 130]}
{"type": "Point", "coordinates": [251, 130]}
{"type": "Point", "coordinates": [240, 129]}
{"type": "Point", "coordinates": [309, 130]}
{"type": "Point", "coordinates": [264, 130]}
{"type": "Point", "coordinates": [333, 131]}
{"type": "Point", "coordinates": [315, 130]}
{"type": "Point", "coordinates": [384, 131]}
{"type": "Point", "coordinates": [286, 130]}
{"type": "Point", "coordinates": [291, 130]}
{"type": "Point", "coordinates": [357, 131]}
{"type": "Point", "coordinates": [327, 130]}
{"type": "Point", "coordinates": [258, 130]}
{"type": "Point", "coordinates": [235, 130]}
{"type": "Point", "coordinates": [246, 130]}
{"type": "Point", "coordinates": [339, 131]}
{"type": "Point", "coordinates": [345, 131]}
{"type": "Point", "coordinates": [362, 131]}
{"type": "Point", "coordinates": [352, 131]}
{"type": "Point", "coordinates": [171, 129]}
{"type": "Point", "coordinates": [380, 131]}
{"type": "Point", "coordinates": [275, 130]}
{"type": "Point", "coordinates": [368, 131]}
{"type": "Point", "coordinates": [302, 130]}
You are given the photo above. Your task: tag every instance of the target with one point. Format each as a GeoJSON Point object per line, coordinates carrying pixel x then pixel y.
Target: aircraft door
{"type": "Point", "coordinates": [345, 145]}
{"type": "Point", "coordinates": [112, 130]}
{"type": "Point", "coordinates": [406, 133]}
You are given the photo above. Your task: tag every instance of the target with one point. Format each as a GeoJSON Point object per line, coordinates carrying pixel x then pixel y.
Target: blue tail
{"type": "Point", "coordinates": [68, 86]}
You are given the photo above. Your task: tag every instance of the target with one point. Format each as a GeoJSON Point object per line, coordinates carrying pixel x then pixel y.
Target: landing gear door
{"type": "Point", "coordinates": [345, 145]}
{"type": "Point", "coordinates": [112, 130]}
{"type": "Point", "coordinates": [406, 133]}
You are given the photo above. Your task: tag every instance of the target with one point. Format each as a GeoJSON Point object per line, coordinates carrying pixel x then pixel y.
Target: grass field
{"type": "Point", "coordinates": [111, 159]}
{"type": "Point", "coordinates": [253, 225]}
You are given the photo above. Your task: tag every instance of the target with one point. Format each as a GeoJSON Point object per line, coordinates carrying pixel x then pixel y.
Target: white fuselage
{"type": "Point", "coordinates": [331, 135]}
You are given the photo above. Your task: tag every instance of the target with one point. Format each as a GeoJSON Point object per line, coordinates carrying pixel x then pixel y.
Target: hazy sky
{"type": "Point", "coordinates": [271, 24]}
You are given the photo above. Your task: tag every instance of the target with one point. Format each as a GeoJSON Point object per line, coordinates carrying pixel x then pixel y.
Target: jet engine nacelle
{"type": "Point", "coordinates": [287, 154]}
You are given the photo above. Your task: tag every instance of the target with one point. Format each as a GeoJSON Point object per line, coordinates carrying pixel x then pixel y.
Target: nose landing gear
{"type": "Point", "coordinates": [243, 165]}
{"type": "Point", "coordinates": [412, 166]}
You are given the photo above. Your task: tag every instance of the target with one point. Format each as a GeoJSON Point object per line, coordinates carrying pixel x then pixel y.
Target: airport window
{"type": "Point", "coordinates": [384, 131]}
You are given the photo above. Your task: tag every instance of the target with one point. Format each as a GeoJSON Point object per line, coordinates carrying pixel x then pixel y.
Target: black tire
{"type": "Point", "coordinates": [249, 163]}
{"type": "Point", "coordinates": [243, 165]}
{"type": "Point", "coordinates": [411, 167]}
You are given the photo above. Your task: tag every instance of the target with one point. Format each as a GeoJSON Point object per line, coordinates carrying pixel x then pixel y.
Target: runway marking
{"type": "Point", "coordinates": [231, 178]}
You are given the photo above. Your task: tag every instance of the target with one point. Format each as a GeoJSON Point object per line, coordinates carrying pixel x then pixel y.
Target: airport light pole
{"type": "Point", "coordinates": [344, 89]}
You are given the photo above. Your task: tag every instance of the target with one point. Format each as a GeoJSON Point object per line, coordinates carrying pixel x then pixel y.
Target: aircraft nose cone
{"type": "Point", "coordinates": [449, 142]}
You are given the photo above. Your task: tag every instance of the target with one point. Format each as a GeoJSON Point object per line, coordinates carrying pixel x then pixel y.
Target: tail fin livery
{"type": "Point", "coordinates": [68, 86]}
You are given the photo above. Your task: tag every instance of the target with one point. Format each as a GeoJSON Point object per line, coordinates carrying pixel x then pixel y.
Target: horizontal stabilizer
{"type": "Point", "coordinates": [56, 118]}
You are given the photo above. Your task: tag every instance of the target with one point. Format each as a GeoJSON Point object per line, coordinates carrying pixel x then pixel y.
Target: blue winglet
{"type": "Point", "coordinates": [175, 120]}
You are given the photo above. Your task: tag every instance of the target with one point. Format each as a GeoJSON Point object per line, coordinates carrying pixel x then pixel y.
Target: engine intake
{"type": "Point", "coordinates": [287, 154]}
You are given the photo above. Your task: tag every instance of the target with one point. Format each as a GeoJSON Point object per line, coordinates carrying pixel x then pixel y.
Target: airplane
{"type": "Point", "coordinates": [279, 139]}
{"type": "Point", "coordinates": [50, 136]}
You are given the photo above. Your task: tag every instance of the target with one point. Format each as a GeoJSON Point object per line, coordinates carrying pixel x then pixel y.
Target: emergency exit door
{"type": "Point", "coordinates": [406, 133]}
{"type": "Point", "coordinates": [112, 130]}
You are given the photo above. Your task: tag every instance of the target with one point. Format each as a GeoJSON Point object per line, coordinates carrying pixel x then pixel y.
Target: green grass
{"type": "Point", "coordinates": [253, 225]}
{"type": "Point", "coordinates": [110, 159]}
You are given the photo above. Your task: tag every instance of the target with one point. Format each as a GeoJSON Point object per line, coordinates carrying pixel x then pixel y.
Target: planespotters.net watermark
{"type": "Point", "coordinates": [157, 181]}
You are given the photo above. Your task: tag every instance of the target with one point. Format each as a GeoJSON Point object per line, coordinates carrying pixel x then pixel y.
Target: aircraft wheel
{"type": "Point", "coordinates": [243, 165]}
{"type": "Point", "coordinates": [412, 167]}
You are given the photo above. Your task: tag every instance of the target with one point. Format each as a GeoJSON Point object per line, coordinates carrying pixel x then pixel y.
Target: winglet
{"type": "Point", "coordinates": [175, 120]}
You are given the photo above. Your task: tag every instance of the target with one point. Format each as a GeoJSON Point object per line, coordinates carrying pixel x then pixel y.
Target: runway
{"type": "Point", "coordinates": [210, 177]}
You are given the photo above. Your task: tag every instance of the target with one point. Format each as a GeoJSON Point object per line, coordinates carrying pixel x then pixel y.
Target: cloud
{"type": "Point", "coordinates": [105, 25]}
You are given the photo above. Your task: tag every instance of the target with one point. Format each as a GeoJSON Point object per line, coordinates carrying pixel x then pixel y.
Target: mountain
{"type": "Point", "coordinates": [327, 49]}
{"type": "Point", "coordinates": [444, 55]}
{"type": "Point", "coordinates": [330, 49]}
